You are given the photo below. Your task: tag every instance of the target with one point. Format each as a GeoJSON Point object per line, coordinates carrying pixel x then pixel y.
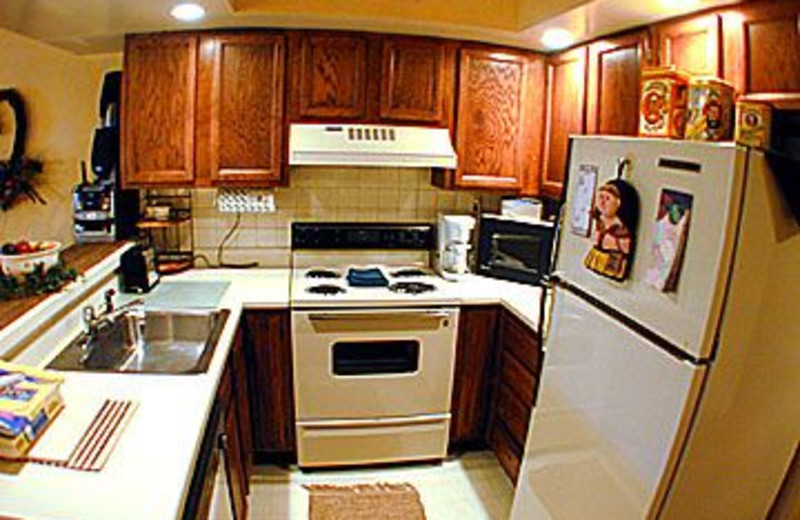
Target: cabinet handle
{"type": "Point", "coordinates": [222, 441]}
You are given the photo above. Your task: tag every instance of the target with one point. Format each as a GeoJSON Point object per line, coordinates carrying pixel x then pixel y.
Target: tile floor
{"type": "Point", "coordinates": [470, 487]}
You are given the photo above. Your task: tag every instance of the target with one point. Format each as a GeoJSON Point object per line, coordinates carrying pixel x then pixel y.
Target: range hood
{"type": "Point", "coordinates": [370, 145]}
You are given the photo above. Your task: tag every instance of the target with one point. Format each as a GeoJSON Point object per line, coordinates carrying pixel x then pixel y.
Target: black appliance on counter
{"type": "Point", "coordinates": [101, 210]}
{"type": "Point", "coordinates": [136, 272]}
{"type": "Point", "coordinates": [515, 249]}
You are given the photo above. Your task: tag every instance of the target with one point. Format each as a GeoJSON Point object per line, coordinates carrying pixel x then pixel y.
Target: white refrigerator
{"type": "Point", "coordinates": [674, 405]}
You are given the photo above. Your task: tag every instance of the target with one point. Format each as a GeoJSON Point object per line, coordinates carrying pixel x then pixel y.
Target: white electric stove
{"type": "Point", "coordinates": [373, 365]}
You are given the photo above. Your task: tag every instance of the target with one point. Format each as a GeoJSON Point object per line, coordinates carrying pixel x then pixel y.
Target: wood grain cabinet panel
{"type": "Point", "coordinates": [241, 102]}
{"type": "Point", "coordinates": [614, 84]}
{"type": "Point", "coordinates": [475, 359]}
{"type": "Point", "coordinates": [498, 134]}
{"type": "Point", "coordinates": [508, 453]}
{"type": "Point", "coordinates": [566, 114]}
{"type": "Point", "coordinates": [158, 113]}
{"type": "Point", "coordinates": [516, 337]}
{"type": "Point", "coordinates": [329, 79]}
{"type": "Point", "coordinates": [234, 463]}
{"type": "Point", "coordinates": [269, 355]}
{"type": "Point", "coordinates": [241, 389]}
{"type": "Point", "coordinates": [414, 81]}
{"type": "Point", "coordinates": [692, 44]}
{"type": "Point", "coordinates": [762, 47]}
{"type": "Point", "coordinates": [513, 414]}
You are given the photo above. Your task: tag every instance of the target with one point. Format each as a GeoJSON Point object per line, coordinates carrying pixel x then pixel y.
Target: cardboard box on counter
{"type": "Point", "coordinates": [30, 399]}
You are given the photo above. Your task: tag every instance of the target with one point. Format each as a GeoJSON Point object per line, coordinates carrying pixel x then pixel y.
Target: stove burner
{"type": "Point", "coordinates": [405, 273]}
{"type": "Point", "coordinates": [325, 289]}
{"type": "Point", "coordinates": [411, 287]}
{"type": "Point", "coordinates": [322, 273]}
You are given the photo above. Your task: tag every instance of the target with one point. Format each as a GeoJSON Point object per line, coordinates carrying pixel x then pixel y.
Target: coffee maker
{"type": "Point", "coordinates": [454, 244]}
{"type": "Point", "coordinates": [101, 210]}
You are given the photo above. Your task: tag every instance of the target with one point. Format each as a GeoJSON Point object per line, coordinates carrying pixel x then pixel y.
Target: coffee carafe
{"type": "Point", "coordinates": [454, 244]}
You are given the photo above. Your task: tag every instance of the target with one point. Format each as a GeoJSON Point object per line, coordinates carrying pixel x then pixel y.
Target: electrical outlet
{"type": "Point", "coordinates": [245, 200]}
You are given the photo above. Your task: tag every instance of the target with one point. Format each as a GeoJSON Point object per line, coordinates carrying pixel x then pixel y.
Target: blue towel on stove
{"type": "Point", "coordinates": [372, 277]}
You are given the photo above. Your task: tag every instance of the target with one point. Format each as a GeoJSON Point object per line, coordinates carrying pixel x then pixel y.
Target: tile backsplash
{"type": "Point", "coordinates": [324, 194]}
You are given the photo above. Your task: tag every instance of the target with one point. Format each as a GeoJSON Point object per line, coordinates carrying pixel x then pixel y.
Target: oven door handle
{"type": "Point", "coordinates": [365, 316]}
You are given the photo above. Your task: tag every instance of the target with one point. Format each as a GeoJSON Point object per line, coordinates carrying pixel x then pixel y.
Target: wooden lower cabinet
{"type": "Point", "coordinates": [475, 358]}
{"type": "Point", "coordinates": [515, 391]}
{"type": "Point", "coordinates": [268, 354]}
{"type": "Point", "coordinates": [232, 449]}
{"type": "Point", "coordinates": [508, 453]}
{"type": "Point", "coordinates": [498, 358]}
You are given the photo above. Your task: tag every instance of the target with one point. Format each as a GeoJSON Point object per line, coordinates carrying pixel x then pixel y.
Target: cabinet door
{"type": "Point", "coordinates": [498, 135]}
{"type": "Point", "coordinates": [615, 67]}
{"type": "Point", "coordinates": [158, 109]}
{"type": "Point", "coordinates": [329, 79]}
{"type": "Point", "coordinates": [240, 121]}
{"type": "Point", "coordinates": [269, 355]}
{"type": "Point", "coordinates": [234, 463]}
{"type": "Point", "coordinates": [475, 355]}
{"type": "Point", "coordinates": [566, 114]}
{"type": "Point", "coordinates": [691, 44]}
{"type": "Point", "coordinates": [241, 392]}
{"type": "Point", "coordinates": [416, 81]}
{"type": "Point", "coordinates": [762, 47]}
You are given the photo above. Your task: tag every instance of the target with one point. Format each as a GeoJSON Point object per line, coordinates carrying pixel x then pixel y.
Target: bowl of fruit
{"type": "Point", "coordinates": [21, 258]}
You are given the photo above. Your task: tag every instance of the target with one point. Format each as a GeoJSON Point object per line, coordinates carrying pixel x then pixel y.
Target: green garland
{"type": "Point", "coordinates": [38, 282]}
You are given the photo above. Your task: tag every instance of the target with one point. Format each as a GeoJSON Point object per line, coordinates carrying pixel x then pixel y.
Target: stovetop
{"type": "Point", "coordinates": [403, 286]}
{"type": "Point", "coordinates": [365, 265]}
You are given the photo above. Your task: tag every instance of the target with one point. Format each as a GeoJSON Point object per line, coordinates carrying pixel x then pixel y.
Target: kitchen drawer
{"type": "Point", "coordinates": [513, 413]}
{"type": "Point", "coordinates": [508, 453]}
{"type": "Point", "coordinates": [336, 443]}
{"type": "Point", "coordinates": [520, 339]}
{"type": "Point", "coordinates": [517, 377]}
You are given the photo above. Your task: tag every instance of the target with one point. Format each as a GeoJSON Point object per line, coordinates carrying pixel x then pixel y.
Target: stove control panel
{"type": "Point", "coordinates": [333, 235]}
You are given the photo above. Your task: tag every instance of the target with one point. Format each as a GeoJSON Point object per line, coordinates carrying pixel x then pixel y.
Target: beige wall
{"type": "Point", "coordinates": [61, 94]}
{"type": "Point", "coordinates": [325, 194]}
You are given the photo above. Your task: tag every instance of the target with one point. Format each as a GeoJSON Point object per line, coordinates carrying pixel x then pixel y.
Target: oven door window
{"type": "Point", "coordinates": [365, 358]}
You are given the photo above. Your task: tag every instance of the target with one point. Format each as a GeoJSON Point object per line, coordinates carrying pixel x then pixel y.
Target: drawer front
{"type": "Point", "coordinates": [521, 340]}
{"type": "Point", "coordinates": [508, 454]}
{"type": "Point", "coordinates": [517, 377]}
{"type": "Point", "coordinates": [336, 443]}
{"type": "Point", "coordinates": [514, 414]}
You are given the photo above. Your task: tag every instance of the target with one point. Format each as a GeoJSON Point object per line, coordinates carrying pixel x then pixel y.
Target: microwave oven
{"type": "Point", "coordinates": [515, 249]}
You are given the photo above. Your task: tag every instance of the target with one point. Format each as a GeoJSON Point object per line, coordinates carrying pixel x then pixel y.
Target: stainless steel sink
{"type": "Point", "coordinates": [168, 342]}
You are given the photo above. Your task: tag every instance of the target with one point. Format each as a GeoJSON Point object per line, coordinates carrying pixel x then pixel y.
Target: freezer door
{"type": "Point", "coordinates": [611, 417]}
{"type": "Point", "coordinates": [687, 318]}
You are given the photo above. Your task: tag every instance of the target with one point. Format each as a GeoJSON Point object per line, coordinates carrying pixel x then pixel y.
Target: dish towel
{"type": "Point", "coordinates": [370, 277]}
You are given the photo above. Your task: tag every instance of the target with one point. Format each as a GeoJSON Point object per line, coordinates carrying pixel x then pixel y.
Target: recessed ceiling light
{"type": "Point", "coordinates": [557, 38]}
{"type": "Point", "coordinates": [188, 12]}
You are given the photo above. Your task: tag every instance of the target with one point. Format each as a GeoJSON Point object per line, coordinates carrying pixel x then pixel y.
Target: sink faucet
{"type": "Point", "coordinates": [94, 321]}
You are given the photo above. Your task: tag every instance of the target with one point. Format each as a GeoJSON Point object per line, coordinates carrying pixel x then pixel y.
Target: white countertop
{"type": "Point", "coordinates": [148, 474]}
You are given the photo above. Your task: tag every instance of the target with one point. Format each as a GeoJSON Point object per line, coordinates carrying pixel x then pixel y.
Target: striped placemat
{"type": "Point", "coordinates": [83, 442]}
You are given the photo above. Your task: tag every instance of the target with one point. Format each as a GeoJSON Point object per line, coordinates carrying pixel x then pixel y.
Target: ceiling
{"type": "Point", "coordinates": [98, 26]}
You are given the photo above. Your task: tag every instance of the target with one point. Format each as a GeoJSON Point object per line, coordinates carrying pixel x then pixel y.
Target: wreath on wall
{"type": "Point", "coordinates": [17, 172]}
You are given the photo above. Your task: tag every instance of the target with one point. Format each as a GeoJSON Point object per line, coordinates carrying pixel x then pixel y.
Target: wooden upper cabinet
{"type": "Point", "coordinates": [566, 114]}
{"type": "Point", "coordinates": [416, 80]}
{"type": "Point", "coordinates": [691, 44]}
{"type": "Point", "coordinates": [328, 76]}
{"type": "Point", "coordinates": [240, 120]}
{"type": "Point", "coordinates": [159, 109]}
{"type": "Point", "coordinates": [498, 133]}
{"type": "Point", "coordinates": [613, 85]}
{"type": "Point", "coordinates": [762, 47]}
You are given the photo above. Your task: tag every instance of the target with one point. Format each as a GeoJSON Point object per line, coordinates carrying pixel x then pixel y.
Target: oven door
{"type": "Point", "coordinates": [365, 364]}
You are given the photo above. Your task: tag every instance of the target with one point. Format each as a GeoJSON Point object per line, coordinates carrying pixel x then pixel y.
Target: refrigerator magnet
{"type": "Point", "coordinates": [666, 251]}
{"type": "Point", "coordinates": [581, 210]}
{"type": "Point", "coordinates": [615, 217]}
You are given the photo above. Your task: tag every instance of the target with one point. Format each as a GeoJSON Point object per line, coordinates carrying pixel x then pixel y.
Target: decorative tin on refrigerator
{"type": "Point", "coordinates": [753, 123]}
{"type": "Point", "coordinates": [663, 103]}
{"type": "Point", "coordinates": [710, 110]}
